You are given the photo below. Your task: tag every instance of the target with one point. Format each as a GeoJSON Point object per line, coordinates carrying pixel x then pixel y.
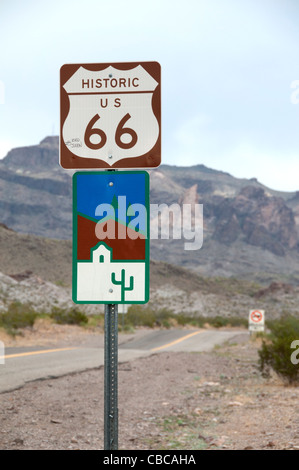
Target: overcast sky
{"type": "Point", "coordinates": [230, 75]}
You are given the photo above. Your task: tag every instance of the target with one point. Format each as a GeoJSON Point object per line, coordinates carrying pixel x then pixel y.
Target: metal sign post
{"type": "Point", "coordinates": [110, 118]}
{"type": "Point", "coordinates": [111, 378]}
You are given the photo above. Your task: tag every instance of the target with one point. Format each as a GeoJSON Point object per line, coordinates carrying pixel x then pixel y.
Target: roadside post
{"type": "Point", "coordinates": [110, 119]}
{"type": "Point", "coordinates": [111, 378]}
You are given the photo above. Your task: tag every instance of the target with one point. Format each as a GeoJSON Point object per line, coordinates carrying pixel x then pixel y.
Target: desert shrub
{"type": "Point", "coordinates": [163, 317]}
{"type": "Point", "coordinates": [18, 315]}
{"type": "Point", "coordinates": [220, 321]}
{"type": "Point", "coordinates": [140, 316]}
{"type": "Point", "coordinates": [146, 316]}
{"type": "Point", "coordinates": [71, 316]}
{"type": "Point", "coordinates": [217, 321]}
{"type": "Point", "coordinates": [185, 319]}
{"type": "Point", "coordinates": [237, 321]}
{"type": "Point", "coordinates": [275, 353]}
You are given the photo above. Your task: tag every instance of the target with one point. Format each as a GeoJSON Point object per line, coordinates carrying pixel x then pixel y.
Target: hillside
{"type": "Point", "coordinates": [250, 231]}
{"type": "Point", "coordinates": [37, 270]}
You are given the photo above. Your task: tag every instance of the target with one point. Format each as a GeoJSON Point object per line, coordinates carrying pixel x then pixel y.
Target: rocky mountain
{"type": "Point", "coordinates": [249, 230]}
{"type": "Point", "coordinates": [35, 193]}
{"type": "Point", "coordinates": [38, 271]}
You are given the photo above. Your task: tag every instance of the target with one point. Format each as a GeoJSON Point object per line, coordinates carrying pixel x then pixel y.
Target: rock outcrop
{"type": "Point", "coordinates": [247, 227]}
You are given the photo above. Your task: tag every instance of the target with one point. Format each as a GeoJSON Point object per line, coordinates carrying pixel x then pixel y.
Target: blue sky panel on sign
{"type": "Point", "coordinates": [94, 189]}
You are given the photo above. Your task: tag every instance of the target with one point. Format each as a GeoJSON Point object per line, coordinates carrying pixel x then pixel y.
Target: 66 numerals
{"type": "Point", "coordinates": [119, 133]}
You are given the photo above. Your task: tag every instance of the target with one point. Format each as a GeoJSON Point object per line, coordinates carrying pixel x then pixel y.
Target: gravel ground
{"type": "Point", "coordinates": [175, 401]}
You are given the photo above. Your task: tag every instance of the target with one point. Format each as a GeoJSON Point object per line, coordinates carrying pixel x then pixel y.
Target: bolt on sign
{"type": "Point", "coordinates": [256, 320]}
{"type": "Point", "coordinates": [111, 237]}
{"type": "Point", "coordinates": [110, 115]}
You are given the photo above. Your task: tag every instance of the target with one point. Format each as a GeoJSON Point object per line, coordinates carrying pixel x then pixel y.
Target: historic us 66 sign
{"type": "Point", "coordinates": [110, 115]}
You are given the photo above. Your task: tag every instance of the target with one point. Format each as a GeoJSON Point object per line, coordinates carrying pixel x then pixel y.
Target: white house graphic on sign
{"type": "Point", "coordinates": [103, 279]}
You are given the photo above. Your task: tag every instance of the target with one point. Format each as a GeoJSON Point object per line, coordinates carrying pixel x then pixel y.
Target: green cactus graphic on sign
{"type": "Point", "coordinates": [122, 283]}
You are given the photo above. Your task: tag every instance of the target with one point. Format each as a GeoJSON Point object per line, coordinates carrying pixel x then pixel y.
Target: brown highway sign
{"type": "Point", "coordinates": [110, 115]}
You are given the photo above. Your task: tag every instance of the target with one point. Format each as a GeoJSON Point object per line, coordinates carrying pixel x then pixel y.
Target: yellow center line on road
{"type": "Point", "coordinates": [31, 353]}
{"type": "Point", "coordinates": [177, 340]}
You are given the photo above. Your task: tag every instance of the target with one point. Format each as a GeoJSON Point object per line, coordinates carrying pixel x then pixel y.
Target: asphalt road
{"type": "Point", "coordinates": [23, 365]}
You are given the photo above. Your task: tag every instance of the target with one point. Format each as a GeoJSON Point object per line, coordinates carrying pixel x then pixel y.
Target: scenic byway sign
{"type": "Point", "coordinates": [111, 237]}
{"type": "Point", "coordinates": [110, 115]}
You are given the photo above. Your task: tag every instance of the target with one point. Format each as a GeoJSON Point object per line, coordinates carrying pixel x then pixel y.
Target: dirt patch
{"type": "Point", "coordinates": [214, 400]}
{"type": "Point", "coordinates": [45, 332]}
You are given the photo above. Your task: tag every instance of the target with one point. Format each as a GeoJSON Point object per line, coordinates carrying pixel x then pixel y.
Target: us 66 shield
{"type": "Point", "coordinates": [110, 115]}
{"type": "Point", "coordinates": [111, 237]}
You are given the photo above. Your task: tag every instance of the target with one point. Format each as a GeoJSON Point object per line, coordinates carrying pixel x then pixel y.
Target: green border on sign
{"type": "Point", "coordinates": [75, 240]}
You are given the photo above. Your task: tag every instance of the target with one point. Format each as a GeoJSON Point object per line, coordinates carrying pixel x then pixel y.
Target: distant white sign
{"type": "Point", "coordinates": [123, 308]}
{"type": "Point", "coordinates": [256, 320]}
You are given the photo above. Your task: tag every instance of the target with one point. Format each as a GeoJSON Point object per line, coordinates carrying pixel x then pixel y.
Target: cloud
{"type": "Point", "coordinates": [2, 92]}
{"type": "Point", "coordinates": [200, 140]}
{"type": "Point", "coordinates": [190, 141]}
{"type": "Point", "coordinates": [295, 93]}
{"type": "Point", "coordinates": [5, 146]}
{"type": "Point", "coordinates": [271, 167]}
